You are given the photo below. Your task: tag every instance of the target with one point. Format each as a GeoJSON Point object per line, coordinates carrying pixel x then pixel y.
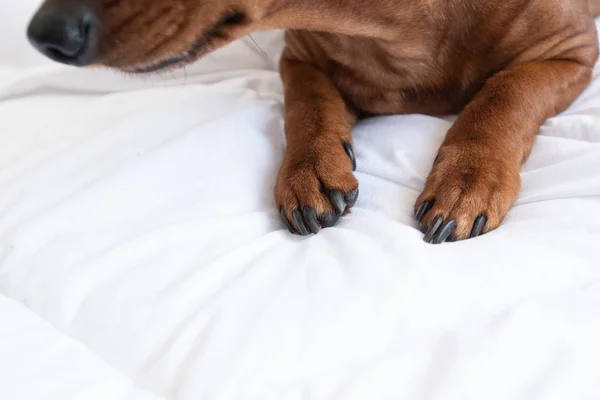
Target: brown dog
{"type": "Point", "coordinates": [505, 66]}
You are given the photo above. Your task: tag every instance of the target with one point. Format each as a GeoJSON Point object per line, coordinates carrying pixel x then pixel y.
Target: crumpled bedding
{"type": "Point", "coordinates": [142, 257]}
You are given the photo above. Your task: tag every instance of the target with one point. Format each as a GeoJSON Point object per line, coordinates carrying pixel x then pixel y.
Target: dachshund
{"type": "Point", "coordinates": [504, 67]}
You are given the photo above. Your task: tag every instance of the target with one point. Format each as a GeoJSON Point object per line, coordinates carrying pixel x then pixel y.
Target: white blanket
{"type": "Point", "coordinates": [139, 235]}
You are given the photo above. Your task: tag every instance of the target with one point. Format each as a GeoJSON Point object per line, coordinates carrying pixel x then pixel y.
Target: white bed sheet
{"type": "Point", "coordinates": [137, 223]}
{"type": "Point", "coordinates": [40, 363]}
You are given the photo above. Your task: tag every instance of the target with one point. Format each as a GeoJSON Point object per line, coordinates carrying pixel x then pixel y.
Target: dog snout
{"type": "Point", "coordinates": [66, 32]}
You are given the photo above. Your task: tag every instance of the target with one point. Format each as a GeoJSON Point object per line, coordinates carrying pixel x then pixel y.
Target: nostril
{"type": "Point", "coordinates": [72, 47]}
{"type": "Point", "coordinates": [85, 27]}
{"type": "Point", "coordinates": [61, 54]}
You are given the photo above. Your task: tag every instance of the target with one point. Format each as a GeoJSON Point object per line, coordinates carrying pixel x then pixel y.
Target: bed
{"type": "Point", "coordinates": [142, 257]}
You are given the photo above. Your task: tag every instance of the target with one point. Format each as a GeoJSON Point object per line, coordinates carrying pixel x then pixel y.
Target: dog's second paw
{"type": "Point", "coordinates": [315, 187]}
{"type": "Point", "coordinates": [467, 193]}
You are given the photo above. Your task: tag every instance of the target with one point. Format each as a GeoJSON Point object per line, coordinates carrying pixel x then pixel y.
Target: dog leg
{"type": "Point", "coordinates": [475, 178]}
{"type": "Point", "coordinates": [315, 185]}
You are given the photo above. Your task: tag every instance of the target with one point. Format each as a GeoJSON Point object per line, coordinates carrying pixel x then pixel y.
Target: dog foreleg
{"type": "Point", "coordinates": [475, 178]}
{"type": "Point", "coordinates": [315, 185]}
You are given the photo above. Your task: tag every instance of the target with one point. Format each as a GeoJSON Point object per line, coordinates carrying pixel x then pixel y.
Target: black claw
{"type": "Point", "coordinates": [444, 232]}
{"type": "Point", "coordinates": [286, 221]}
{"type": "Point", "coordinates": [351, 197]}
{"type": "Point", "coordinates": [337, 200]}
{"type": "Point", "coordinates": [423, 209]}
{"type": "Point", "coordinates": [297, 216]}
{"type": "Point", "coordinates": [328, 220]}
{"type": "Point", "coordinates": [350, 152]}
{"type": "Point", "coordinates": [478, 226]}
{"type": "Point", "coordinates": [435, 225]}
{"type": "Point", "coordinates": [310, 218]}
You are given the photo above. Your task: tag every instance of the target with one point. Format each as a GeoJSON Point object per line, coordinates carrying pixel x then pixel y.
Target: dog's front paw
{"type": "Point", "coordinates": [316, 186]}
{"type": "Point", "coordinates": [468, 193]}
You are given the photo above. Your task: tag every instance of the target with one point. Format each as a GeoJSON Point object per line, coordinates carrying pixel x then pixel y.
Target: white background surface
{"type": "Point", "coordinates": [141, 255]}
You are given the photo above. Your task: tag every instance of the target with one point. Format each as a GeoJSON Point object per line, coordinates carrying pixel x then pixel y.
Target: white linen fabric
{"type": "Point", "coordinates": [142, 257]}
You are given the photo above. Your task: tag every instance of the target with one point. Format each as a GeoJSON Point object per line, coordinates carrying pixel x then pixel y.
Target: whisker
{"type": "Point", "coordinates": [267, 57]}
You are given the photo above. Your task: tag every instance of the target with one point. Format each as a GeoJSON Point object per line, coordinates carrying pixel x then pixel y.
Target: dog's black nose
{"type": "Point", "coordinates": [65, 31]}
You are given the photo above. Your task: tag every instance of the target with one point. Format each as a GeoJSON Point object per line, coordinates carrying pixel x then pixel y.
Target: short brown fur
{"type": "Point", "coordinates": [503, 66]}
